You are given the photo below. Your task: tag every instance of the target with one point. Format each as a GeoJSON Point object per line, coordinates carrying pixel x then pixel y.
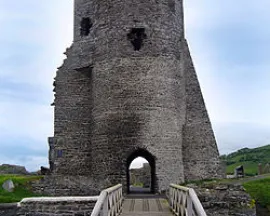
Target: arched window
{"type": "Point", "coordinates": [85, 26]}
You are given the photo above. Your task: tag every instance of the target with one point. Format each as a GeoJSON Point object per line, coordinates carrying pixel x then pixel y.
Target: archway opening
{"type": "Point", "coordinates": [141, 172]}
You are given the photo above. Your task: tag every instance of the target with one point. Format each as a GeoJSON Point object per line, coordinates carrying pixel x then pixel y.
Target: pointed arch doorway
{"type": "Point", "coordinates": [151, 172]}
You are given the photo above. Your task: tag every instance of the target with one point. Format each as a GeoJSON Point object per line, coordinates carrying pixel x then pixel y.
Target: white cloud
{"type": "Point", "coordinates": [138, 163]}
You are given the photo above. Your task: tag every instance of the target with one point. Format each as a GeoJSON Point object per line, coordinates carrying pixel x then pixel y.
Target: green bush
{"type": "Point", "coordinates": [259, 190]}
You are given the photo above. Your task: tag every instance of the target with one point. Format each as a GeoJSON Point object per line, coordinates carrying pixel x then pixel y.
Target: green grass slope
{"type": "Point", "coordinates": [259, 190]}
{"type": "Point", "coordinates": [249, 158]}
{"type": "Point", "coordinates": [22, 188]}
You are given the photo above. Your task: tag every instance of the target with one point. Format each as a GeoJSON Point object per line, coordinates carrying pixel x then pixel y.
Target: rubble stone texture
{"type": "Point", "coordinates": [221, 199]}
{"type": "Point", "coordinates": [59, 206]}
{"type": "Point", "coordinates": [128, 86]}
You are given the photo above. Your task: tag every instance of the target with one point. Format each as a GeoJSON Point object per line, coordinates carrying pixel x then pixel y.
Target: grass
{"type": "Point", "coordinates": [138, 184]}
{"type": "Point", "coordinates": [259, 190]}
{"type": "Point", "coordinates": [22, 188]}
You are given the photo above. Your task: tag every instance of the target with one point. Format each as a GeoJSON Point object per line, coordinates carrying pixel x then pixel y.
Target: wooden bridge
{"type": "Point", "coordinates": [146, 206]}
{"type": "Point", "coordinates": [181, 201]}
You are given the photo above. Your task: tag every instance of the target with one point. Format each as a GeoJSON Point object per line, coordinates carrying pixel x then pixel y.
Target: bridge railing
{"type": "Point", "coordinates": [185, 202]}
{"type": "Point", "coordinates": [109, 202]}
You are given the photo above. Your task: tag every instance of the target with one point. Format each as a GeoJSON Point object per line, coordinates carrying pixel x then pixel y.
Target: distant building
{"type": "Point", "coordinates": [239, 172]}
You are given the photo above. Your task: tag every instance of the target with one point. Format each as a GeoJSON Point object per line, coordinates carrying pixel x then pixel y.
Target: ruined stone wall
{"type": "Point", "coordinates": [224, 199]}
{"type": "Point", "coordinates": [111, 99]}
{"type": "Point", "coordinates": [57, 206]}
{"type": "Point", "coordinates": [9, 209]}
{"type": "Point", "coordinates": [72, 150]}
{"type": "Point", "coordinates": [137, 94]}
{"type": "Point", "coordinates": [63, 185]}
{"type": "Point", "coordinates": [200, 152]}
{"type": "Point", "coordinates": [128, 83]}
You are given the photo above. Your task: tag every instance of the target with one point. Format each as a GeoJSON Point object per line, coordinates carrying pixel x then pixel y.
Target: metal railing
{"type": "Point", "coordinates": [109, 202]}
{"type": "Point", "coordinates": [184, 201]}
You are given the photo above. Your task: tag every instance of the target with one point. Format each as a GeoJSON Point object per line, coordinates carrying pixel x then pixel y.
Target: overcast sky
{"type": "Point", "coordinates": [230, 46]}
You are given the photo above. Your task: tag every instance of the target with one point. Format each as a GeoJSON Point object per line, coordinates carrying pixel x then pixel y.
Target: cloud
{"type": "Point", "coordinates": [138, 163]}
{"type": "Point", "coordinates": [36, 34]}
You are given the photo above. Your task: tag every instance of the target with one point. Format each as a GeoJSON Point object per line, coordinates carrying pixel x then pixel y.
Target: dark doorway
{"type": "Point", "coordinates": [141, 179]}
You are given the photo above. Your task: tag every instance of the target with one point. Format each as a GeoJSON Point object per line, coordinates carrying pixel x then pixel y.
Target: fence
{"type": "Point", "coordinates": [109, 202]}
{"type": "Point", "coordinates": [184, 201]}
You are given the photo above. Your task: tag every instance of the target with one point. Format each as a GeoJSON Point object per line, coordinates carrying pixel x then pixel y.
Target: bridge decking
{"type": "Point", "coordinates": [146, 206]}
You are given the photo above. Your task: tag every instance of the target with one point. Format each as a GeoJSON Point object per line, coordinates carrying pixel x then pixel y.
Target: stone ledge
{"type": "Point", "coordinates": [57, 206]}
{"type": "Point", "coordinates": [8, 205]}
{"type": "Point", "coordinates": [59, 199]}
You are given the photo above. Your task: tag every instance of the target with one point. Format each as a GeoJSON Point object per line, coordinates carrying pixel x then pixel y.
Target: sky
{"type": "Point", "coordinates": [230, 46]}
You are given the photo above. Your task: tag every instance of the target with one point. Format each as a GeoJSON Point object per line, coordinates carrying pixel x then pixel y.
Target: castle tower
{"type": "Point", "coordinates": [128, 88]}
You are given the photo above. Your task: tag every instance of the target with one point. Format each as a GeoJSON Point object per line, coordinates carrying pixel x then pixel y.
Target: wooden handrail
{"type": "Point", "coordinates": [197, 203]}
{"type": "Point", "coordinates": [179, 187]}
{"type": "Point", "coordinates": [109, 202]}
{"type": "Point", "coordinates": [184, 201]}
{"type": "Point", "coordinates": [99, 204]}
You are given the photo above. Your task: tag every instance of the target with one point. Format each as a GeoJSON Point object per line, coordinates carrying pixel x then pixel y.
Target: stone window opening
{"type": "Point", "coordinates": [86, 25]}
{"type": "Point", "coordinates": [87, 71]}
{"type": "Point", "coordinates": [172, 5]}
{"type": "Point", "coordinates": [59, 153]}
{"type": "Point", "coordinates": [136, 37]}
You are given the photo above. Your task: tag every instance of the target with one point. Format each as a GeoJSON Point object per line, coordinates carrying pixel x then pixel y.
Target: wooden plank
{"type": "Point", "coordinates": [153, 205]}
{"type": "Point", "coordinates": [127, 205]}
{"type": "Point", "coordinates": [138, 207]}
{"type": "Point", "coordinates": [146, 207]}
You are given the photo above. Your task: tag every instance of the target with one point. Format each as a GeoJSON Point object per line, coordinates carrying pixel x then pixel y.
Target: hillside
{"type": "Point", "coordinates": [249, 158]}
{"type": "Point", "coordinates": [12, 169]}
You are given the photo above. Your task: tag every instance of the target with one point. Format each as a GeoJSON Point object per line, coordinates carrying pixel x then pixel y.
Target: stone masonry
{"type": "Point", "coordinates": [220, 199]}
{"type": "Point", "coordinates": [65, 206]}
{"type": "Point", "coordinates": [50, 206]}
{"type": "Point", "coordinates": [128, 88]}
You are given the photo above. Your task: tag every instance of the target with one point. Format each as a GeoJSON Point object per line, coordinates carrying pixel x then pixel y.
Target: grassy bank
{"type": "Point", "coordinates": [259, 190]}
{"type": "Point", "coordinates": [22, 188]}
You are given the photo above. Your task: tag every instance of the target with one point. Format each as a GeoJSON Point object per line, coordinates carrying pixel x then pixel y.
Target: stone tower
{"type": "Point", "coordinates": [128, 88]}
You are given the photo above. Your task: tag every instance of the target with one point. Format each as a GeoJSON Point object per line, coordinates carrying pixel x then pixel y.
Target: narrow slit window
{"type": "Point", "coordinates": [172, 5]}
{"type": "Point", "coordinates": [136, 37]}
{"type": "Point", "coordinates": [85, 26]}
{"type": "Point", "coordinates": [59, 153]}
